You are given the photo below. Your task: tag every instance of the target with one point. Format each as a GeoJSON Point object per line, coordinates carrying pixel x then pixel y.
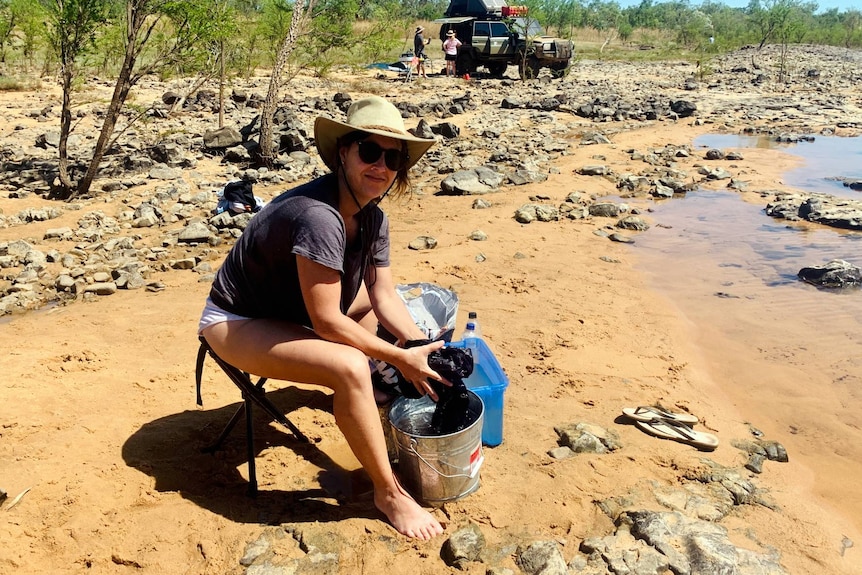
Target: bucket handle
{"type": "Point", "coordinates": [437, 471]}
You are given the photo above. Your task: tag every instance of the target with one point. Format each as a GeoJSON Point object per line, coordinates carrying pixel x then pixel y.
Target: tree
{"type": "Point", "coordinates": [7, 26]}
{"type": "Point", "coordinates": [330, 31]}
{"type": "Point", "coordinates": [604, 17]}
{"type": "Point", "coordinates": [298, 23]}
{"type": "Point", "coordinates": [851, 22]}
{"type": "Point", "coordinates": [73, 28]}
{"type": "Point", "coordinates": [778, 19]}
{"type": "Point", "coordinates": [781, 20]}
{"type": "Point", "coordinates": [30, 18]}
{"type": "Point", "coordinates": [166, 30]}
{"type": "Point", "coordinates": [694, 28]}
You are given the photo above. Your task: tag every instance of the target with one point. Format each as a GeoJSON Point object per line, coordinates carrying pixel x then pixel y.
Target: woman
{"type": "Point", "coordinates": [300, 294]}
{"type": "Point", "coordinates": [450, 49]}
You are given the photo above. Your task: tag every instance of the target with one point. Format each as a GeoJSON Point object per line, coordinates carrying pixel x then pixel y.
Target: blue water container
{"type": "Point", "coordinates": [488, 382]}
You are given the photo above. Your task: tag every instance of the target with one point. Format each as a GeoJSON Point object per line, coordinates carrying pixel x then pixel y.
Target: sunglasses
{"type": "Point", "coordinates": [370, 152]}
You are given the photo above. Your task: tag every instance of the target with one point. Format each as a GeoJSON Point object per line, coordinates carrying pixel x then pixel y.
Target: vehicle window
{"type": "Point", "coordinates": [498, 29]}
{"type": "Point", "coordinates": [482, 29]}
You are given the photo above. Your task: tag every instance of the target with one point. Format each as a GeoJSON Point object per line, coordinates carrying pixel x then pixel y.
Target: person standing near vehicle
{"type": "Point", "coordinates": [450, 48]}
{"type": "Point", "coordinates": [419, 43]}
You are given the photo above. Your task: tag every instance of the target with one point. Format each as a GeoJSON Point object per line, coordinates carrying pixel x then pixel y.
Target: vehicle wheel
{"type": "Point", "coordinates": [465, 62]}
{"type": "Point", "coordinates": [559, 70]}
{"type": "Point", "coordinates": [528, 67]}
{"type": "Point", "coordinates": [497, 69]}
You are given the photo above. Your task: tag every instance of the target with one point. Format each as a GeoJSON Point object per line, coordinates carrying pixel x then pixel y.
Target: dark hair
{"type": "Point", "coordinates": [402, 177]}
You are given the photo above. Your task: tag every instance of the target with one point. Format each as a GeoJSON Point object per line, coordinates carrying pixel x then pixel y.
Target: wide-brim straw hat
{"type": "Point", "coordinates": [373, 115]}
{"type": "Point", "coordinates": [450, 33]}
{"type": "Point", "coordinates": [419, 29]}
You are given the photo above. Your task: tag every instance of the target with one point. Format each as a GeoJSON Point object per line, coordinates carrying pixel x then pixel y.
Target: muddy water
{"type": "Point", "coordinates": [787, 354]}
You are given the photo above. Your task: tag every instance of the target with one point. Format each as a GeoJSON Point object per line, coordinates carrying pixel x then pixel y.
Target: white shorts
{"type": "Point", "coordinates": [213, 314]}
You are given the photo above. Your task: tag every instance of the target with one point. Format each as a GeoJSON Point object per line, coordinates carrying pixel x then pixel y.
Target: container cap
{"type": "Point", "coordinates": [472, 315]}
{"type": "Point", "coordinates": [471, 325]}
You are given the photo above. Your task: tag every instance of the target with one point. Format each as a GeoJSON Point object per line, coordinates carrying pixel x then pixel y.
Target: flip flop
{"type": "Point", "coordinates": [652, 413]}
{"type": "Point", "coordinates": [669, 429]}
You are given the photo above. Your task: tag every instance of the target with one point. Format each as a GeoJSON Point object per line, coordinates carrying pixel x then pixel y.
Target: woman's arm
{"type": "Point", "coordinates": [390, 309]}
{"type": "Point", "coordinates": [321, 290]}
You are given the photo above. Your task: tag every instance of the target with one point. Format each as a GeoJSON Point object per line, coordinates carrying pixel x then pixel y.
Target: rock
{"type": "Point", "coordinates": [196, 232]}
{"type": "Point", "coordinates": [448, 130]}
{"type": "Point", "coordinates": [463, 546]}
{"type": "Point", "coordinates": [683, 108]}
{"type": "Point", "coordinates": [103, 288]}
{"type": "Point", "coordinates": [707, 501]}
{"type": "Point", "coordinates": [171, 98]}
{"type": "Point", "coordinates": [755, 463]}
{"type": "Point", "coordinates": [588, 438]}
{"type": "Point", "coordinates": [222, 138]}
{"type": "Point", "coordinates": [714, 154]}
{"type": "Point", "coordinates": [635, 223]}
{"type": "Point", "coordinates": [423, 243]}
{"type": "Point", "coordinates": [834, 274]}
{"type": "Point", "coordinates": [594, 170]}
{"type": "Point", "coordinates": [623, 239]}
{"type": "Point", "coordinates": [58, 234]}
{"type": "Point", "coordinates": [423, 130]}
{"type": "Point", "coordinates": [622, 553]}
{"type": "Point", "coordinates": [695, 546]}
{"type": "Point", "coordinates": [183, 264]}
{"type": "Point", "coordinates": [774, 451]}
{"type": "Point", "coordinates": [533, 212]}
{"type": "Point", "coordinates": [541, 558]}
{"type": "Point", "coordinates": [521, 177]}
{"type": "Point", "coordinates": [255, 549]}
{"type": "Point", "coordinates": [476, 181]}
{"type": "Point", "coordinates": [605, 210]}
{"type": "Point", "coordinates": [562, 452]}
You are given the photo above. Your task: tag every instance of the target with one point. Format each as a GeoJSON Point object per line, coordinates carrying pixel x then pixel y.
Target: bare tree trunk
{"type": "Point", "coordinates": [121, 91]}
{"type": "Point", "coordinates": [65, 127]}
{"type": "Point", "coordinates": [605, 43]}
{"type": "Point", "coordinates": [298, 20]}
{"type": "Point", "coordinates": [221, 85]}
{"type": "Point", "coordinates": [135, 20]}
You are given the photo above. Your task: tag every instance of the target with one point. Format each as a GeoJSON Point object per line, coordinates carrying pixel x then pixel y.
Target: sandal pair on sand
{"type": "Point", "coordinates": [668, 425]}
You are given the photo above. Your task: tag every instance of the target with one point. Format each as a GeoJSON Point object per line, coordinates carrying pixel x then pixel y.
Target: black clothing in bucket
{"type": "Point", "coordinates": [451, 411]}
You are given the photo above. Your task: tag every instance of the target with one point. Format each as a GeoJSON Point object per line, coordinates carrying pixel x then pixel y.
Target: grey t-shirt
{"type": "Point", "coordinates": [259, 276]}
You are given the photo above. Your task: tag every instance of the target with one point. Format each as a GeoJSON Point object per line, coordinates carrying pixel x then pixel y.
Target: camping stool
{"type": "Point", "coordinates": [408, 60]}
{"type": "Point", "coordinates": [252, 393]}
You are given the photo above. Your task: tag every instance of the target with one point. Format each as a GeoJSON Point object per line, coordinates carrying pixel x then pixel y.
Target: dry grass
{"type": "Point", "coordinates": [19, 84]}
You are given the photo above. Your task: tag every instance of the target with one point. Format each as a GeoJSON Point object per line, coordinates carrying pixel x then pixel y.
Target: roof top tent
{"type": "Point", "coordinates": [480, 8]}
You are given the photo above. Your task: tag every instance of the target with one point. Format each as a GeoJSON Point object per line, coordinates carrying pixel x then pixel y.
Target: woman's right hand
{"type": "Point", "coordinates": [416, 370]}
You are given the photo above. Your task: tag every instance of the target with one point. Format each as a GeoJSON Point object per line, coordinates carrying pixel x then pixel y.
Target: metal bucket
{"type": "Point", "coordinates": [436, 468]}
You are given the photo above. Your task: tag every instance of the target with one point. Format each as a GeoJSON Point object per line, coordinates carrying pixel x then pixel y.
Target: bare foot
{"type": "Point", "coordinates": [406, 515]}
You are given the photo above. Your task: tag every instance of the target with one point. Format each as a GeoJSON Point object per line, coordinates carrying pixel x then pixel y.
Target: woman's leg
{"type": "Point", "coordinates": [280, 350]}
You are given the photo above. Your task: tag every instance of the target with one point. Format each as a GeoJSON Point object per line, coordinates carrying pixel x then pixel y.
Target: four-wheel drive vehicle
{"type": "Point", "coordinates": [495, 35]}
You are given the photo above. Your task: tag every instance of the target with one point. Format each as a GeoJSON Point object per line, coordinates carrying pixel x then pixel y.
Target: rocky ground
{"type": "Point", "coordinates": [512, 157]}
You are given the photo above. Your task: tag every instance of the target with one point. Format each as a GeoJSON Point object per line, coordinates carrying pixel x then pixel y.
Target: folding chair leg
{"type": "Point", "coordinates": [249, 430]}
{"type": "Point", "coordinates": [226, 431]}
{"type": "Point", "coordinates": [251, 393]}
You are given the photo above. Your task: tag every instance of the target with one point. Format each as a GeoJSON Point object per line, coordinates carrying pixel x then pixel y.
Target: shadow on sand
{"type": "Point", "coordinates": [172, 450]}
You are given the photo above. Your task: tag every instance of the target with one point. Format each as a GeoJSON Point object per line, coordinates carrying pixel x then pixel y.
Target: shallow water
{"type": "Point", "coordinates": [826, 160]}
{"type": "Point", "coordinates": [786, 353]}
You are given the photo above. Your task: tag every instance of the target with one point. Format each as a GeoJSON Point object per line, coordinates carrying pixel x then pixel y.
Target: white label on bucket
{"type": "Point", "coordinates": [476, 459]}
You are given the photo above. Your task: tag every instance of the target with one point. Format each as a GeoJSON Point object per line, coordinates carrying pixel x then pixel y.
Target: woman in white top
{"type": "Point", "coordinates": [450, 48]}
